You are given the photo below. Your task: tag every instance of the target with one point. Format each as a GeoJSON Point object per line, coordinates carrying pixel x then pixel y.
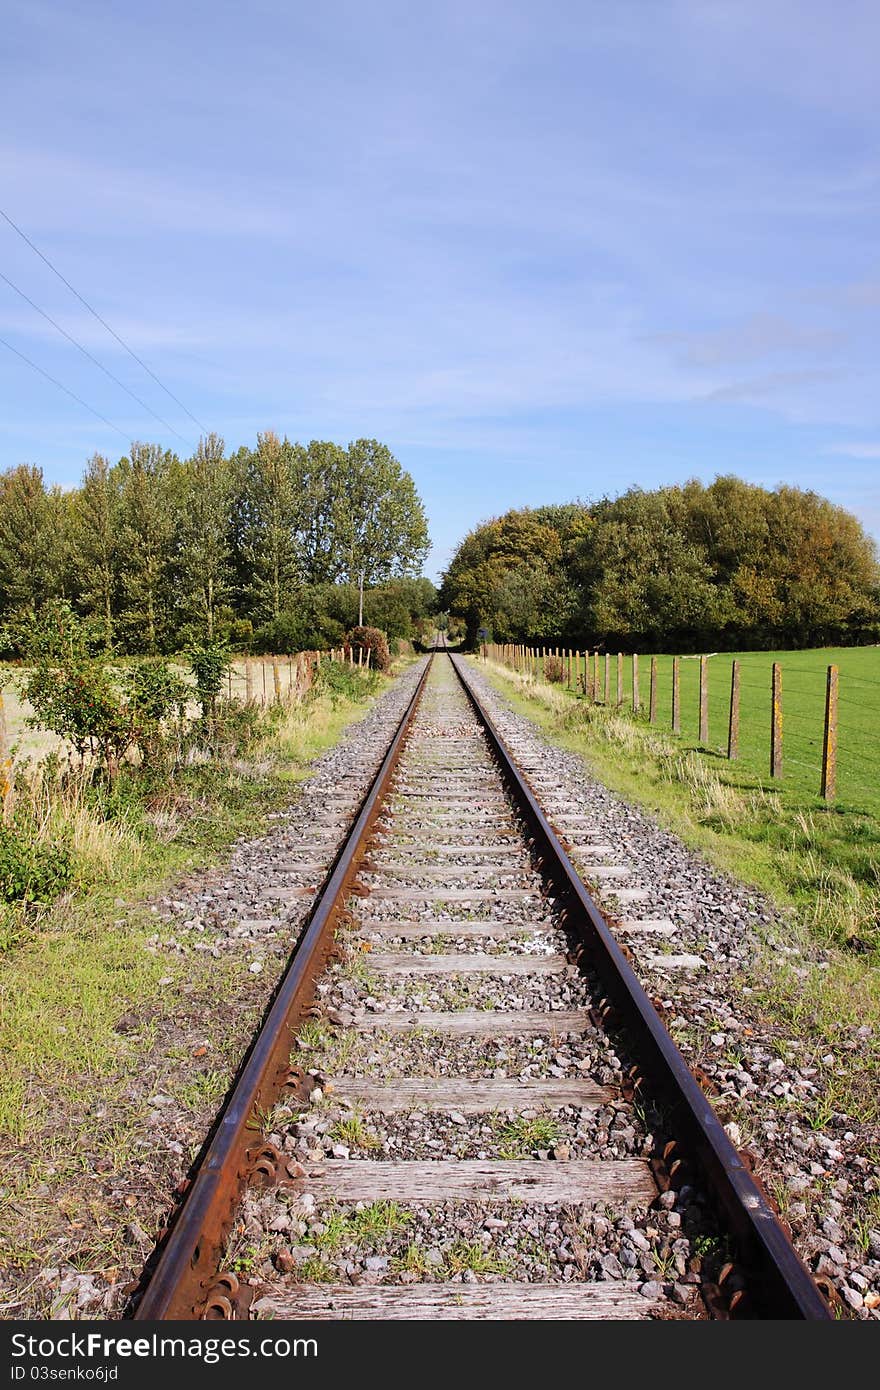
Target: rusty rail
{"type": "Point", "coordinates": [780, 1285]}
{"type": "Point", "coordinates": [184, 1284]}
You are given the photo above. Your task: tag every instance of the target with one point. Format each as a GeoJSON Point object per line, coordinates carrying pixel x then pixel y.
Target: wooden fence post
{"type": "Point", "coordinates": [7, 794]}
{"type": "Point", "coordinates": [596, 676]}
{"type": "Point", "coordinates": [276, 682]}
{"type": "Point", "coordinates": [733, 725]}
{"type": "Point", "coordinates": [607, 679]}
{"type": "Point", "coordinates": [263, 670]}
{"type": "Point", "coordinates": [619, 678]}
{"type": "Point", "coordinates": [637, 703]}
{"type": "Point", "coordinates": [248, 681]}
{"type": "Point", "coordinates": [229, 681]}
{"type": "Point", "coordinates": [829, 742]}
{"type": "Point", "coordinates": [776, 722]}
{"type": "Point", "coordinates": [704, 700]}
{"type": "Point", "coordinates": [652, 702]}
{"type": "Point", "coordinates": [676, 694]}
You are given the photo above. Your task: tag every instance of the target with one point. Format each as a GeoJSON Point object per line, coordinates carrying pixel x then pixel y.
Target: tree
{"type": "Point", "coordinates": [31, 542]}
{"type": "Point", "coordinates": [202, 542]}
{"type": "Point", "coordinates": [319, 471]}
{"type": "Point", "coordinates": [379, 520]}
{"type": "Point", "coordinates": [268, 513]}
{"type": "Point", "coordinates": [95, 543]}
{"type": "Point", "coordinates": [149, 478]}
{"type": "Point", "coordinates": [510, 574]}
{"type": "Point", "coordinates": [731, 565]}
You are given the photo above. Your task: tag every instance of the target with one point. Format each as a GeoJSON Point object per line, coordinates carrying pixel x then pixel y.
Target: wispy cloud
{"type": "Point", "coordinates": [751, 339]}
{"type": "Point", "coordinates": [772, 384]}
{"type": "Point", "coordinates": [856, 451]}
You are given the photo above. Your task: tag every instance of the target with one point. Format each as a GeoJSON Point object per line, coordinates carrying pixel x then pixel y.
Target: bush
{"type": "Point", "coordinates": [238, 726]}
{"type": "Point", "coordinates": [372, 640]}
{"type": "Point", "coordinates": [554, 669]}
{"type": "Point", "coordinates": [343, 681]}
{"type": "Point", "coordinates": [32, 872]}
{"type": "Point", "coordinates": [209, 663]}
{"type": "Point", "coordinates": [303, 631]}
{"type": "Point", "coordinates": [79, 702]}
{"type": "Point", "coordinates": [154, 693]}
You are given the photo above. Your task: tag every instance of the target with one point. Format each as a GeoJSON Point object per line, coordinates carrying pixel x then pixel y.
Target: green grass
{"type": "Point", "coordinates": [353, 1132]}
{"type": "Point", "coordinates": [68, 975]}
{"type": "Point", "coordinates": [369, 1226]}
{"type": "Point", "coordinates": [803, 706]}
{"type": "Point", "coordinates": [520, 1138]}
{"type": "Point", "coordinates": [822, 859]}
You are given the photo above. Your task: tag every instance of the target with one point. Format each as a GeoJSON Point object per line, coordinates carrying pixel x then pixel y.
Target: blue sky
{"type": "Point", "coordinates": [542, 250]}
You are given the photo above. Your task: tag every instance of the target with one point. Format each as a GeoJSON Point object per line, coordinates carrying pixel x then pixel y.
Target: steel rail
{"type": "Point", "coordinates": [187, 1268]}
{"type": "Point", "coordinates": [780, 1285]}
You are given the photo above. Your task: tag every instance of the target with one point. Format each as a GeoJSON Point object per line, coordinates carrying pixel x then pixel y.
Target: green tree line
{"type": "Point", "coordinates": [280, 547]}
{"type": "Point", "coordinates": [730, 565]}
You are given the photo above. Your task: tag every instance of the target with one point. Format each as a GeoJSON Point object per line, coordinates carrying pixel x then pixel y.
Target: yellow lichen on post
{"type": "Point", "coordinates": [829, 741]}
{"type": "Point", "coordinates": [776, 723]}
{"type": "Point", "coordinates": [733, 723]}
{"type": "Point", "coordinates": [6, 783]}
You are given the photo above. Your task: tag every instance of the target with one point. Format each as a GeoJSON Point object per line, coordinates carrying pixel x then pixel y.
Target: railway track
{"type": "Point", "coordinates": [462, 1104]}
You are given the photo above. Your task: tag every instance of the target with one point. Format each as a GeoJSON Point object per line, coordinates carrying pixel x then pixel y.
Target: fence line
{"type": "Point", "coordinates": [301, 670]}
{"type": "Point", "coordinates": [565, 668]}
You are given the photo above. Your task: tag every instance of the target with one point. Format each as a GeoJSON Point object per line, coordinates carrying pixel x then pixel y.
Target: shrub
{"type": "Point", "coordinates": [304, 631]}
{"type": "Point", "coordinates": [32, 872]}
{"type": "Point", "coordinates": [373, 640]}
{"type": "Point", "coordinates": [209, 663]}
{"type": "Point", "coordinates": [79, 702]}
{"type": "Point", "coordinates": [341, 680]}
{"type": "Point", "coordinates": [238, 726]}
{"type": "Point", "coordinates": [554, 669]}
{"type": "Point", "coordinates": [154, 693]}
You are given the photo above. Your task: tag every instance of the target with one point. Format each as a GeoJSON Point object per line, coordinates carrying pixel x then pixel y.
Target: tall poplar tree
{"type": "Point", "coordinates": [149, 478]}
{"type": "Point", "coordinates": [31, 548]}
{"type": "Point", "coordinates": [203, 544]}
{"type": "Point", "coordinates": [94, 543]}
{"type": "Point", "coordinates": [268, 517]}
{"type": "Point", "coordinates": [380, 523]}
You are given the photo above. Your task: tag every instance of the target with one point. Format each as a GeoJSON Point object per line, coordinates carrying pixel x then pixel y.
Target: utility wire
{"type": "Point", "coordinates": [70, 338]}
{"type": "Point", "coordinates": [103, 322]}
{"type": "Point", "coordinates": [65, 389]}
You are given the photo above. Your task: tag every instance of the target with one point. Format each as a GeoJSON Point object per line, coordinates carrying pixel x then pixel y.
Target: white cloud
{"type": "Point", "coordinates": [856, 451]}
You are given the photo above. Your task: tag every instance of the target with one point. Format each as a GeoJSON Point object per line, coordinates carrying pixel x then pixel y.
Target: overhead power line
{"type": "Point", "coordinates": [103, 322]}
{"type": "Point", "coordinates": [84, 350]}
{"type": "Point", "coordinates": [66, 390]}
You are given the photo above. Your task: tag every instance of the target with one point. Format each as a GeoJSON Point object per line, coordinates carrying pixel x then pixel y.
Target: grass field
{"type": "Point", "coordinates": [822, 859]}
{"type": "Point", "coordinates": [29, 743]}
{"type": "Point", "coordinates": [803, 704]}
